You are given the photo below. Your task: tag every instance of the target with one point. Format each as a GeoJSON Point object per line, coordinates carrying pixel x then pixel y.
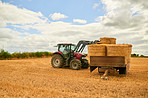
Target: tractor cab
{"type": "Point", "coordinates": [66, 49]}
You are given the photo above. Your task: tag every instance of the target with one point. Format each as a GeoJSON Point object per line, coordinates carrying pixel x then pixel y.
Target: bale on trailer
{"type": "Point", "coordinates": [93, 50]}
{"type": "Point", "coordinates": [120, 50]}
{"type": "Point", "coordinates": [108, 39]}
{"type": "Point", "coordinates": [111, 50]}
{"type": "Point", "coordinates": [96, 50]}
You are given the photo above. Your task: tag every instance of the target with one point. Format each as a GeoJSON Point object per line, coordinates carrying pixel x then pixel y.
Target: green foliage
{"type": "Point", "coordinates": [32, 54]}
{"type": "Point", "coordinates": [142, 56]}
{"type": "Point", "coordinates": [134, 55]}
{"type": "Point", "coordinates": [39, 54]}
{"type": "Point", "coordinates": [46, 53]}
{"type": "Point", "coordinates": [50, 54]}
{"type": "Point", "coordinates": [6, 55]}
{"type": "Point", "coordinates": [16, 55]}
{"type": "Point", "coordinates": [137, 55]}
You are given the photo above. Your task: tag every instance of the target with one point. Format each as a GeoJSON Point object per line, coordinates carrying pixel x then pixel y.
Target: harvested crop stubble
{"type": "Point", "coordinates": [36, 78]}
{"type": "Point", "coordinates": [108, 39]}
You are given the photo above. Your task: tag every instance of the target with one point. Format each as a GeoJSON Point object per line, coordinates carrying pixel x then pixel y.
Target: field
{"type": "Point", "coordinates": [36, 78]}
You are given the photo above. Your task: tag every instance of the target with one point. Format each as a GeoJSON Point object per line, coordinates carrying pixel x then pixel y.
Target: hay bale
{"type": "Point", "coordinates": [108, 39]}
{"type": "Point", "coordinates": [96, 50]}
{"type": "Point", "coordinates": [110, 50]}
{"type": "Point", "coordinates": [120, 50]}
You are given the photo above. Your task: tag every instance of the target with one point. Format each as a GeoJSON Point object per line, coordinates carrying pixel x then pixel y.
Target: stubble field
{"type": "Point", "coordinates": [36, 78]}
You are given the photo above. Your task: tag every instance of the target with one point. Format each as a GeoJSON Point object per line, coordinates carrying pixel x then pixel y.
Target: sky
{"type": "Point", "coordinates": [38, 25]}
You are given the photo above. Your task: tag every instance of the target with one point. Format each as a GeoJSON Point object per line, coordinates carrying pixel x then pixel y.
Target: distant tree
{"type": "Point", "coordinates": [134, 55]}
{"type": "Point", "coordinates": [141, 55]}
{"type": "Point", "coordinates": [5, 54]}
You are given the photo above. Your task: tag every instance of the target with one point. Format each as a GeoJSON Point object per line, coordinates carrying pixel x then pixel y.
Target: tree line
{"type": "Point", "coordinates": [6, 55]}
{"type": "Point", "coordinates": [137, 55]}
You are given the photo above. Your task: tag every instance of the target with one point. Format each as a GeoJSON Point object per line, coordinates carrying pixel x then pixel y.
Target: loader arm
{"type": "Point", "coordinates": [82, 43]}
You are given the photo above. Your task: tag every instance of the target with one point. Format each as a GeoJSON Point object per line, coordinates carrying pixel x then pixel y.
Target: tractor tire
{"type": "Point", "coordinates": [85, 64]}
{"type": "Point", "coordinates": [57, 61]}
{"type": "Point", "coordinates": [75, 64]}
{"type": "Point", "coordinates": [122, 70]}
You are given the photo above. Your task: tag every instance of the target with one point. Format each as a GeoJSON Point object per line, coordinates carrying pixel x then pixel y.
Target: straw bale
{"type": "Point", "coordinates": [120, 50]}
{"type": "Point", "coordinates": [108, 39]}
{"type": "Point", "coordinates": [96, 50]}
{"type": "Point", "coordinates": [110, 50]}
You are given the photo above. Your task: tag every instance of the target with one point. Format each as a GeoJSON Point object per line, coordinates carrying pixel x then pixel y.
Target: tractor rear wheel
{"type": "Point", "coordinates": [75, 64]}
{"type": "Point", "coordinates": [57, 61]}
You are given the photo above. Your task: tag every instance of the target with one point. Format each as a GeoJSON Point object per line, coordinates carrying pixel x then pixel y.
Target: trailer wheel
{"type": "Point", "coordinates": [75, 64]}
{"type": "Point", "coordinates": [122, 70]}
{"type": "Point", "coordinates": [57, 61]}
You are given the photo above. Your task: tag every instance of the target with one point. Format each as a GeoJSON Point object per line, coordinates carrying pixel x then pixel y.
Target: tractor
{"type": "Point", "coordinates": [71, 55]}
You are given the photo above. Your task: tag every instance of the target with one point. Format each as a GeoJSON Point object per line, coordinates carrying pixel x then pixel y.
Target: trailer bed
{"type": "Point", "coordinates": [107, 61]}
{"type": "Point", "coordinates": [113, 61]}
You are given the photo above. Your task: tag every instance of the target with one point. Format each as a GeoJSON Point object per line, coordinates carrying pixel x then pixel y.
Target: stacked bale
{"type": "Point", "coordinates": [108, 39]}
{"type": "Point", "coordinates": [120, 50]}
{"type": "Point", "coordinates": [96, 50]}
{"type": "Point", "coordinates": [111, 49]}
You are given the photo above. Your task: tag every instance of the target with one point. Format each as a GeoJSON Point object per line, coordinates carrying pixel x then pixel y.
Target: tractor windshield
{"type": "Point", "coordinates": [72, 47]}
{"type": "Point", "coordinates": [63, 48]}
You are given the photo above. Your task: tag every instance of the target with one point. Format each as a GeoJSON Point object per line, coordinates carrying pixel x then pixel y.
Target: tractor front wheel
{"type": "Point", "coordinates": [57, 61]}
{"type": "Point", "coordinates": [75, 64]}
{"type": "Point", "coordinates": [85, 64]}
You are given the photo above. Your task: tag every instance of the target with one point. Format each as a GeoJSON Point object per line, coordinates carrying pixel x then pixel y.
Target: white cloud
{"type": "Point", "coordinates": [132, 27]}
{"type": "Point", "coordinates": [120, 14]}
{"type": "Point", "coordinates": [80, 21]}
{"type": "Point", "coordinates": [6, 35]}
{"type": "Point", "coordinates": [14, 15]}
{"type": "Point", "coordinates": [95, 5]}
{"type": "Point", "coordinates": [57, 16]}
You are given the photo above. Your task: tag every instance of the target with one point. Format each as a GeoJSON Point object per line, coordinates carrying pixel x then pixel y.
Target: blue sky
{"type": "Point", "coordinates": [38, 25]}
{"type": "Point", "coordinates": [79, 9]}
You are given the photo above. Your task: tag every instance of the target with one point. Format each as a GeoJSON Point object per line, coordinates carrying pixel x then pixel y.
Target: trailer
{"type": "Point", "coordinates": [116, 62]}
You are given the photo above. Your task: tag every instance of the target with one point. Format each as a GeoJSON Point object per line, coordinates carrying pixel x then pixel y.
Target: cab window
{"type": "Point", "coordinates": [63, 48]}
{"type": "Point", "coordinates": [72, 47]}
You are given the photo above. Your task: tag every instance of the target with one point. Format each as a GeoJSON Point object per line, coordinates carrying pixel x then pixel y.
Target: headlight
{"type": "Point", "coordinates": [83, 57]}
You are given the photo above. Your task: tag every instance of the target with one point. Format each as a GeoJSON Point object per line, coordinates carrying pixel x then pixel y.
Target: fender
{"type": "Point", "coordinates": [58, 52]}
